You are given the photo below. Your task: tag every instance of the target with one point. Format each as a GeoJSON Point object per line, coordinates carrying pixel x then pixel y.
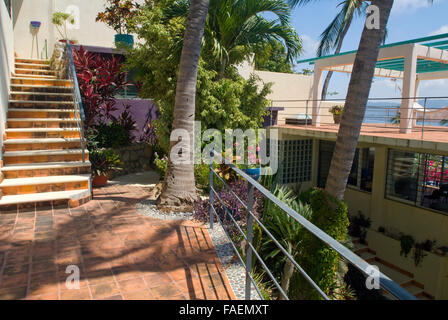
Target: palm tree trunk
{"type": "Point", "coordinates": [337, 51]}
{"type": "Point", "coordinates": [179, 184]}
{"type": "Point", "coordinates": [355, 105]}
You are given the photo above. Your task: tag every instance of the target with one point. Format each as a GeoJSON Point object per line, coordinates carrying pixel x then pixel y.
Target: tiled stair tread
{"type": "Point", "coordinates": [413, 289]}
{"type": "Point", "coordinates": [44, 196]}
{"type": "Point", "coordinates": [41, 93]}
{"type": "Point", "coordinates": [45, 165]}
{"type": "Point", "coordinates": [42, 140]}
{"type": "Point", "coordinates": [26, 69]}
{"type": "Point", "coordinates": [42, 152]}
{"type": "Point", "coordinates": [395, 275]}
{"type": "Point", "coordinates": [423, 297]}
{"type": "Point", "coordinates": [34, 76]}
{"type": "Point", "coordinates": [40, 110]}
{"type": "Point", "coordinates": [34, 65]}
{"type": "Point", "coordinates": [37, 86]}
{"type": "Point", "coordinates": [22, 78]}
{"type": "Point", "coordinates": [367, 255]}
{"type": "Point", "coordinates": [359, 246]}
{"type": "Point", "coordinates": [41, 102]}
{"type": "Point", "coordinates": [39, 61]}
{"type": "Point", "coordinates": [40, 129]}
{"type": "Point", "coordinates": [44, 180]}
{"type": "Point", "coordinates": [43, 119]}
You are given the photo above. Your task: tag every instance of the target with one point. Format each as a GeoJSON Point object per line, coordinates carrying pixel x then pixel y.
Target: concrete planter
{"type": "Point", "coordinates": [432, 272]}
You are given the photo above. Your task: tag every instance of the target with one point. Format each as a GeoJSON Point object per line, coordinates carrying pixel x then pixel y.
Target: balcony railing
{"type": "Point", "coordinates": [428, 114]}
{"type": "Point", "coordinates": [251, 253]}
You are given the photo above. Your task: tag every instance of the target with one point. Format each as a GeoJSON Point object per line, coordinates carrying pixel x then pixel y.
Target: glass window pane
{"type": "Point", "coordinates": [402, 175]}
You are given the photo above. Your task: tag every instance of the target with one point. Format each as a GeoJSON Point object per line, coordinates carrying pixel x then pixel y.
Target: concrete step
{"type": "Point", "coordinates": [37, 104]}
{"type": "Point", "coordinates": [367, 256]}
{"type": "Point", "coordinates": [35, 66]}
{"type": "Point", "coordinates": [45, 169]}
{"type": "Point", "coordinates": [42, 123]}
{"type": "Point", "coordinates": [59, 197]}
{"type": "Point", "coordinates": [413, 288]}
{"type": "Point", "coordinates": [29, 133]}
{"type": "Point", "coordinates": [31, 71]}
{"type": "Point", "coordinates": [40, 88]}
{"type": "Point", "coordinates": [44, 156]}
{"type": "Point", "coordinates": [40, 113]}
{"type": "Point", "coordinates": [360, 248]}
{"type": "Point", "coordinates": [44, 184]}
{"type": "Point", "coordinates": [40, 96]}
{"type": "Point", "coordinates": [396, 275]}
{"type": "Point", "coordinates": [33, 61]}
{"type": "Point", "coordinates": [34, 76]}
{"type": "Point", "coordinates": [41, 81]}
{"type": "Point", "coordinates": [42, 144]}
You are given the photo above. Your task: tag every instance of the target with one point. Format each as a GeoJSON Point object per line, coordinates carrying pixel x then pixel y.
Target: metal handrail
{"type": "Point", "coordinates": [384, 281]}
{"type": "Point", "coordinates": [77, 98]}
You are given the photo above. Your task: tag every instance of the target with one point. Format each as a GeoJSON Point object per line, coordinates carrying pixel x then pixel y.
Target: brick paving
{"type": "Point", "coordinates": [120, 253]}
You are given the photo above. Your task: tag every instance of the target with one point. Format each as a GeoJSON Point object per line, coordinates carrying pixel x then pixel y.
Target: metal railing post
{"type": "Point", "coordinates": [211, 190]}
{"type": "Point", "coordinates": [250, 204]}
{"type": "Point", "coordinates": [424, 118]}
{"type": "Point", "coordinates": [306, 115]}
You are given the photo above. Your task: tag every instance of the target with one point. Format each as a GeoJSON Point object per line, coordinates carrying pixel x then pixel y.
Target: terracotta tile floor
{"type": "Point", "coordinates": [120, 253]}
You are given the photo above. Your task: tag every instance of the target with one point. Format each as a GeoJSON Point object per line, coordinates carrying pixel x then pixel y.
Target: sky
{"type": "Point", "coordinates": [409, 19]}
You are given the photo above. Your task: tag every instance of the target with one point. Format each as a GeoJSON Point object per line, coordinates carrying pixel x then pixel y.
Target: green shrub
{"type": "Point", "coordinates": [320, 261]}
{"type": "Point", "coordinates": [160, 164]}
{"type": "Point", "coordinates": [112, 135]}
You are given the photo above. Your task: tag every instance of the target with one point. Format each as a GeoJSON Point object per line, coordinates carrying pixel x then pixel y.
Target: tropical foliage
{"type": "Point", "coordinates": [100, 79]}
{"type": "Point", "coordinates": [118, 15]}
{"type": "Point", "coordinates": [236, 29]}
{"type": "Point", "coordinates": [220, 103]}
{"type": "Point", "coordinates": [273, 57]}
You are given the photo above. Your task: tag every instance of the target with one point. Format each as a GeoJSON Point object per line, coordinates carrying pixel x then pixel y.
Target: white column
{"type": "Point", "coordinates": [409, 81]}
{"type": "Point", "coordinates": [317, 95]}
{"type": "Point", "coordinates": [417, 85]}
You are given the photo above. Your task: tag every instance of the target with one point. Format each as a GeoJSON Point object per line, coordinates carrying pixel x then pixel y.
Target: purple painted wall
{"type": "Point", "coordinates": [142, 110]}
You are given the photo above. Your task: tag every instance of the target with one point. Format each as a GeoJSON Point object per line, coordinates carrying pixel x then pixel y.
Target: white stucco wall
{"type": "Point", "coordinates": [6, 64]}
{"type": "Point", "coordinates": [86, 31]}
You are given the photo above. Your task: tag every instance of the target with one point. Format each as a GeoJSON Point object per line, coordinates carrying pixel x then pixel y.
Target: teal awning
{"type": "Point", "coordinates": [397, 64]}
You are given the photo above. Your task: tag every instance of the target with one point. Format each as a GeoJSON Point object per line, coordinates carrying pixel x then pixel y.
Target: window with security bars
{"type": "Point", "coordinates": [295, 160]}
{"type": "Point", "coordinates": [420, 178]}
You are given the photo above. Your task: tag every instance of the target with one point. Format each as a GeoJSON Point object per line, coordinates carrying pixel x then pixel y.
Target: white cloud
{"type": "Point", "coordinates": [403, 6]}
{"type": "Point", "coordinates": [442, 29]}
{"type": "Point", "coordinates": [309, 46]}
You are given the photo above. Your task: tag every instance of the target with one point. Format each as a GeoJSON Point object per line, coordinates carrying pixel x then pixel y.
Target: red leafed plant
{"type": "Point", "coordinates": [99, 79]}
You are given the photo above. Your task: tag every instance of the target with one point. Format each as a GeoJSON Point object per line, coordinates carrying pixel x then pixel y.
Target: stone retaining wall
{"type": "Point", "coordinates": [136, 158]}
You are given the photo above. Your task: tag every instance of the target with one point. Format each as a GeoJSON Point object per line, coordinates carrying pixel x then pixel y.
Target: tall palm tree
{"type": "Point", "coordinates": [356, 100]}
{"type": "Point", "coordinates": [179, 184]}
{"type": "Point", "coordinates": [334, 35]}
{"type": "Point", "coordinates": [236, 28]}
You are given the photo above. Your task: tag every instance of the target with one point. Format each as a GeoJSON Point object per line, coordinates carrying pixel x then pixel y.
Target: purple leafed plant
{"type": "Point", "coordinates": [100, 79]}
{"type": "Point", "coordinates": [240, 188]}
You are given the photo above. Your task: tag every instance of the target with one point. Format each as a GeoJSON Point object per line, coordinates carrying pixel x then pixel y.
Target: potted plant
{"type": "Point", "coordinates": [337, 113]}
{"type": "Point", "coordinates": [60, 20]}
{"type": "Point", "coordinates": [118, 15]}
{"type": "Point", "coordinates": [103, 161]}
{"type": "Point", "coordinates": [253, 167]}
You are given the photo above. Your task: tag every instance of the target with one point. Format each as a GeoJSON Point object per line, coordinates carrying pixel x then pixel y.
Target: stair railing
{"type": "Point", "coordinates": [77, 99]}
